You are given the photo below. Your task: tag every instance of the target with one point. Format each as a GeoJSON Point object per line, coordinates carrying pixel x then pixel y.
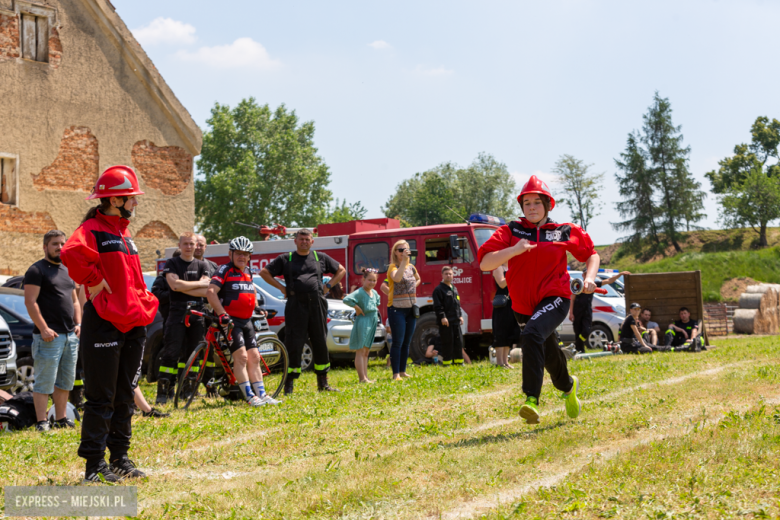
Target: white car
{"type": "Point", "coordinates": [339, 325]}
{"type": "Point", "coordinates": [609, 311]}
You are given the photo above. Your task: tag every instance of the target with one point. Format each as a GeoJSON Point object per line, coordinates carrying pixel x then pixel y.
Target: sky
{"type": "Point", "coordinates": [396, 88]}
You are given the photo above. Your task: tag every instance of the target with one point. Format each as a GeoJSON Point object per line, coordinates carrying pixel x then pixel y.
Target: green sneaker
{"type": "Point", "coordinates": [573, 406]}
{"type": "Point", "coordinates": [530, 410]}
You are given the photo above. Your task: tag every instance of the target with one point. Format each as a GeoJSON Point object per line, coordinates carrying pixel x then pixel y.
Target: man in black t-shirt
{"type": "Point", "coordinates": [200, 250]}
{"type": "Point", "coordinates": [306, 309]}
{"type": "Point", "coordinates": [683, 332]}
{"type": "Point", "coordinates": [581, 313]}
{"type": "Point", "coordinates": [188, 282]}
{"type": "Point", "coordinates": [52, 303]}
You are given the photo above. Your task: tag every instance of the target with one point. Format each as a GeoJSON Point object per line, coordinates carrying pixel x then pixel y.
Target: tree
{"type": "Point", "coordinates": [660, 194]}
{"type": "Point", "coordinates": [259, 166]}
{"type": "Point", "coordinates": [681, 195]}
{"type": "Point", "coordinates": [343, 212]}
{"type": "Point", "coordinates": [581, 188]}
{"type": "Point", "coordinates": [636, 186]}
{"type": "Point", "coordinates": [747, 184]}
{"type": "Point", "coordinates": [441, 194]}
{"type": "Point", "coordinates": [753, 202]}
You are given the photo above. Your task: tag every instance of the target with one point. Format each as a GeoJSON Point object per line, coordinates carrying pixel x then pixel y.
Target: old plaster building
{"type": "Point", "coordinates": [80, 94]}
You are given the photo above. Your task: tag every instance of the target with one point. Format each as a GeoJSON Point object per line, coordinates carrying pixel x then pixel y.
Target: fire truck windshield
{"type": "Point", "coordinates": [482, 235]}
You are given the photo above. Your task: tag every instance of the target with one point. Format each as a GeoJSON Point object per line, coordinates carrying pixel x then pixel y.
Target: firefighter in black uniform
{"type": "Point", "coordinates": [446, 304]}
{"type": "Point", "coordinates": [188, 282]}
{"type": "Point", "coordinates": [306, 310]}
{"type": "Point", "coordinates": [581, 313]}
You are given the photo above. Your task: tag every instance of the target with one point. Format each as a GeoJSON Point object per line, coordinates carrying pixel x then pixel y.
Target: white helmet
{"type": "Point", "coordinates": [70, 413]}
{"type": "Point", "coordinates": [241, 244]}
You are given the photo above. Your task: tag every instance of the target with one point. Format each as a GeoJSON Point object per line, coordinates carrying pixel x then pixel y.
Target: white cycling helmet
{"type": "Point", "coordinates": [241, 244]}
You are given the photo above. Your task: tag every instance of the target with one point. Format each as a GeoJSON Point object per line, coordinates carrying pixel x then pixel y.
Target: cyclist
{"type": "Point", "coordinates": [101, 255]}
{"type": "Point", "coordinates": [233, 298]}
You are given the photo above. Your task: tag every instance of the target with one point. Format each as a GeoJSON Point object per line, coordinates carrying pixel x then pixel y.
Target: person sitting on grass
{"type": "Point", "coordinates": [649, 329]}
{"type": "Point", "coordinates": [630, 338]}
{"type": "Point", "coordinates": [682, 332]}
{"type": "Point", "coordinates": [432, 353]}
{"type": "Point", "coordinates": [365, 301]}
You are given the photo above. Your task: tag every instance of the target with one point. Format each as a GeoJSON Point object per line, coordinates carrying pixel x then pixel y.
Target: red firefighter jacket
{"type": "Point", "coordinates": [101, 248]}
{"type": "Point", "coordinates": [540, 272]}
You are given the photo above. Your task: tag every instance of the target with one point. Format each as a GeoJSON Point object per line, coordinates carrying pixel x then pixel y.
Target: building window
{"type": "Point", "coordinates": [35, 37]}
{"type": "Point", "coordinates": [8, 180]}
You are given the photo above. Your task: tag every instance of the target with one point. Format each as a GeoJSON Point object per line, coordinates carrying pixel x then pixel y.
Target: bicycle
{"type": "Point", "coordinates": [274, 359]}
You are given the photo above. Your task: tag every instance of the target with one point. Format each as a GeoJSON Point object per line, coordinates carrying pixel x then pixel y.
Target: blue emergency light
{"type": "Point", "coordinates": [481, 218]}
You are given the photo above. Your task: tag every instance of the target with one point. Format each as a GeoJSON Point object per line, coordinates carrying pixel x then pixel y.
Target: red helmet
{"type": "Point", "coordinates": [116, 181]}
{"type": "Point", "coordinates": [536, 185]}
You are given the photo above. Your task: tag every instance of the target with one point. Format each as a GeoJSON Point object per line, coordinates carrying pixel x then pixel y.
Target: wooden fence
{"type": "Point", "coordinates": [665, 293]}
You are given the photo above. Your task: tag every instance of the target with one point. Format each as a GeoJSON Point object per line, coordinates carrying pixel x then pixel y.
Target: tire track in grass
{"type": "Point", "coordinates": [614, 395]}
{"type": "Point", "coordinates": [601, 454]}
{"type": "Point", "coordinates": [557, 474]}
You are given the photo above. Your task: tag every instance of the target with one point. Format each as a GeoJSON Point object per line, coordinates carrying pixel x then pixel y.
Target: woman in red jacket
{"type": "Point", "coordinates": [101, 255]}
{"type": "Point", "coordinates": [538, 282]}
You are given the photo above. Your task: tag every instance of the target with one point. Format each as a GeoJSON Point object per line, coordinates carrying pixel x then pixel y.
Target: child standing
{"type": "Point", "coordinates": [446, 304]}
{"type": "Point", "coordinates": [365, 302]}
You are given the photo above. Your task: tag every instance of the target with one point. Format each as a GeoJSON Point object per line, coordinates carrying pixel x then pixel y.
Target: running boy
{"type": "Point", "coordinates": [446, 304]}
{"type": "Point", "coordinates": [538, 282]}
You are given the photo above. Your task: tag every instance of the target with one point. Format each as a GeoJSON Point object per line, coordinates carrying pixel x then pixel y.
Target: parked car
{"type": "Point", "coordinates": [14, 313]}
{"type": "Point", "coordinates": [339, 325]}
{"type": "Point", "coordinates": [7, 358]}
{"type": "Point", "coordinates": [154, 341]}
{"type": "Point", "coordinates": [617, 284]}
{"type": "Point", "coordinates": [609, 311]}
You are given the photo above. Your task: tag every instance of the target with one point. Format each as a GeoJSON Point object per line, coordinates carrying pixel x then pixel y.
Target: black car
{"type": "Point", "coordinates": [14, 312]}
{"type": "Point", "coordinates": [154, 341]}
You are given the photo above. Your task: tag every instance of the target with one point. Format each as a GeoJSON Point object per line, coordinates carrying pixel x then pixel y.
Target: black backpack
{"type": "Point", "coordinates": [19, 411]}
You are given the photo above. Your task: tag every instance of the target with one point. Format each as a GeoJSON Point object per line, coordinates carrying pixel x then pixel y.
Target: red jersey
{"type": "Point", "coordinates": [101, 249]}
{"type": "Point", "coordinates": [236, 291]}
{"type": "Point", "coordinates": [539, 272]}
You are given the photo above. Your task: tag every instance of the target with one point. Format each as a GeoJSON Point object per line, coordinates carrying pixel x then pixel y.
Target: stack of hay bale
{"type": "Point", "coordinates": [759, 310]}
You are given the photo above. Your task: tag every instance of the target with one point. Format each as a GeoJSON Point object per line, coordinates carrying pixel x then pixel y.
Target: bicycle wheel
{"type": "Point", "coordinates": [274, 362]}
{"type": "Point", "coordinates": [195, 365]}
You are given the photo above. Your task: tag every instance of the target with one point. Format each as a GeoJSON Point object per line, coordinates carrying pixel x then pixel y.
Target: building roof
{"type": "Point", "coordinates": [115, 29]}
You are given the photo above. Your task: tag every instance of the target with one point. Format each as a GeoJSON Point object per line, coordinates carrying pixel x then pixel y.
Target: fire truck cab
{"type": "Point", "coordinates": [367, 243]}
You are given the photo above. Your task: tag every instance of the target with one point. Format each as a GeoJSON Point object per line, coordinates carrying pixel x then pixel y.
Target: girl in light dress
{"type": "Point", "coordinates": [365, 301]}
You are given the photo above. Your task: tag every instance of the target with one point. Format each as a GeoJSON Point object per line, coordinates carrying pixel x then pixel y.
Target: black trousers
{"type": "Point", "coordinates": [112, 366]}
{"type": "Point", "coordinates": [306, 317]}
{"type": "Point", "coordinates": [179, 341]}
{"type": "Point", "coordinates": [540, 346]}
{"type": "Point", "coordinates": [451, 342]}
{"type": "Point", "coordinates": [583, 321]}
{"type": "Point", "coordinates": [633, 346]}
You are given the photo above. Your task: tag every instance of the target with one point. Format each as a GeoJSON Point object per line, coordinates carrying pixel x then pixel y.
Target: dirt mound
{"type": "Point", "coordinates": [732, 289]}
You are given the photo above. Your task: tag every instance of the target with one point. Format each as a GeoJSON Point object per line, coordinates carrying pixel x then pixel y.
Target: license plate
{"type": "Point", "coordinates": [2, 368]}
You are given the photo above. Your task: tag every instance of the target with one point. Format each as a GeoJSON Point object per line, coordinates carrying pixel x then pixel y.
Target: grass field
{"type": "Point", "coordinates": [660, 436]}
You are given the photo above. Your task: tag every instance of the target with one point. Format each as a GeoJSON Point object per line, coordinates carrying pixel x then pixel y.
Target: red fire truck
{"type": "Point", "coordinates": [366, 243]}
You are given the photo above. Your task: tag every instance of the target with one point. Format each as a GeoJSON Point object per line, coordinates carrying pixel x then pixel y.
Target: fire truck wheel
{"type": "Point", "coordinates": [425, 330]}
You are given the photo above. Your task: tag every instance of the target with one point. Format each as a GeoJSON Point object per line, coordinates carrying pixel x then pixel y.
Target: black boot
{"type": "Point", "coordinates": [163, 391]}
{"type": "Point", "coordinates": [76, 397]}
{"type": "Point", "coordinates": [288, 385]}
{"type": "Point", "coordinates": [322, 384]}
